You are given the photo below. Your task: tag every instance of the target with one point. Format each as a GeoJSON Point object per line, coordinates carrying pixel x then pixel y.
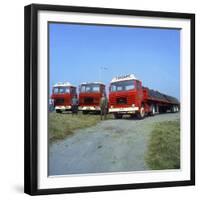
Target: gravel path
{"type": "Point", "coordinates": [110, 146]}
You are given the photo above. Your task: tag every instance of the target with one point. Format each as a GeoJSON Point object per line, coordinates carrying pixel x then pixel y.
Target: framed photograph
{"type": "Point", "coordinates": [109, 99]}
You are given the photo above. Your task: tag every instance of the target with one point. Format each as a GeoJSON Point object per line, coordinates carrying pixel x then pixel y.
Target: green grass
{"type": "Point", "coordinates": [62, 125]}
{"type": "Point", "coordinates": [164, 146]}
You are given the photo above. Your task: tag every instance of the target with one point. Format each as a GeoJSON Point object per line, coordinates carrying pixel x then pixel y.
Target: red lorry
{"type": "Point", "coordinates": [128, 96]}
{"type": "Point", "coordinates": [90, 95]}
{"type": "Point", "coordinates": [62, 95]}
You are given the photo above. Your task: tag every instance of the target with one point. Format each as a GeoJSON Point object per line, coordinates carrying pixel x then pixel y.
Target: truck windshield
{"type": "Point", "coordinates": [61, 90]}
{"type": "Point", "coordinates": [122, 86]}
{"type": "Point", "coordinates": [90, 88]}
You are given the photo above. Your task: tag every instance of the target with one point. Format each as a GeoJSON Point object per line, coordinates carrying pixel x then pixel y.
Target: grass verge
{"type": "Point", "coordinates": [164, 146]}
{"type": "Point", "coordinates": [61, 125]}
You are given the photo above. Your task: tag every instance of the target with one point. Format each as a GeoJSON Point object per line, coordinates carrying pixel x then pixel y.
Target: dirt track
{"type": "Point", "coordinates": [110, 146]}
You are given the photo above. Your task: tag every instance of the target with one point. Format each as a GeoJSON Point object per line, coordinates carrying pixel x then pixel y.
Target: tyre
{"type": "Point", "coordinates": [173, 109]}
{"type": "Point", "coordinates": [118, 116]}
{"type": "Point", "coordinates": [141, 113]}
{"type": "Point", "coordinates": [58, 111]}
{"type": "Point", "coordinates": [153, 110]}
{"type": "Point", "coordinates": [85, 112]}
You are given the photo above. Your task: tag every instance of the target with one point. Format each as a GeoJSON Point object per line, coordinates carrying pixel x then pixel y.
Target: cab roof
{"type": "Point", "coordinates": [88, 83]}
{"type": "Point", "coordinates": [123, 78]}
{"type": "Point", "coordinates": [65, 84]}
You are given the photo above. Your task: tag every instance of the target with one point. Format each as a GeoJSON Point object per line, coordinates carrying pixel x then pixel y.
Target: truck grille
{"type": "Point", "coordinates": [121, 100]}
{"type": "Point", "coordinates": [59, 101]}
{"type": "Point", "coordinates": [88, 100]}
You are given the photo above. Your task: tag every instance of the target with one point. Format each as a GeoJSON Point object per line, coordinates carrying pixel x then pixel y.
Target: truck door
{"type": "Point", "coordinates": [139, 92]}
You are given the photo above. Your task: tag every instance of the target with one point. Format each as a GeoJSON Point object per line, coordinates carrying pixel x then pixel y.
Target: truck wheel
{"type": "Point", "coordinates": [58, 111]}
{"type": "Point", "coordinates": [118, 116]}
{"type": "Point", "coordinates": [141, 113]}
{"type": "Point", "coordinates": [85, 112]}
{"type": "Point", "coordinates": [153, 111]}
{"type": "Point", "coordinates": [173, 109]}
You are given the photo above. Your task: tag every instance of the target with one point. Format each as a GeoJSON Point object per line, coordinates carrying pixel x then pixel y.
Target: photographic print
{"type": "Point", "coordinates": [115, 93]}
{"type": "Point", "coordinates": [112, 99]}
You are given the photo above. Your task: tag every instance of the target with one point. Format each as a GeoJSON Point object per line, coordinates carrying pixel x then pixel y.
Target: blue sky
{"type": "Point", "coordinates": [78, 52]}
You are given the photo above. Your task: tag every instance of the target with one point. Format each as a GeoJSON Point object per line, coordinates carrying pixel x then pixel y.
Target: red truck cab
{"type": "Point", "coordinates": [62, 94]}
{"type": "Point", "coordinates": [125, 95]}
{"type": "Point", "coordinates": [90, 95]}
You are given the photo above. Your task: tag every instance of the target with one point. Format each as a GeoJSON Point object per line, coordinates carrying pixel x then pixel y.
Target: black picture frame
{"type": "Point", "coordinates": [31, 98]}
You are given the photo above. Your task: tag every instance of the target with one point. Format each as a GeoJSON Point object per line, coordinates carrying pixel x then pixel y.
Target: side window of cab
{"type": "Point", "coordinates": [73, 90]}
{"type": "Point", "coordinates": [138, 85]}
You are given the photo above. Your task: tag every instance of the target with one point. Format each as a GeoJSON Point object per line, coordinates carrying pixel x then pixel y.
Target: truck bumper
{"type": "Point", "coordinates": [89, 108]}
{"type": "Point", "coordinates": [128, 110]}
{"type": "Point", "coordinates": [63, 107]}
